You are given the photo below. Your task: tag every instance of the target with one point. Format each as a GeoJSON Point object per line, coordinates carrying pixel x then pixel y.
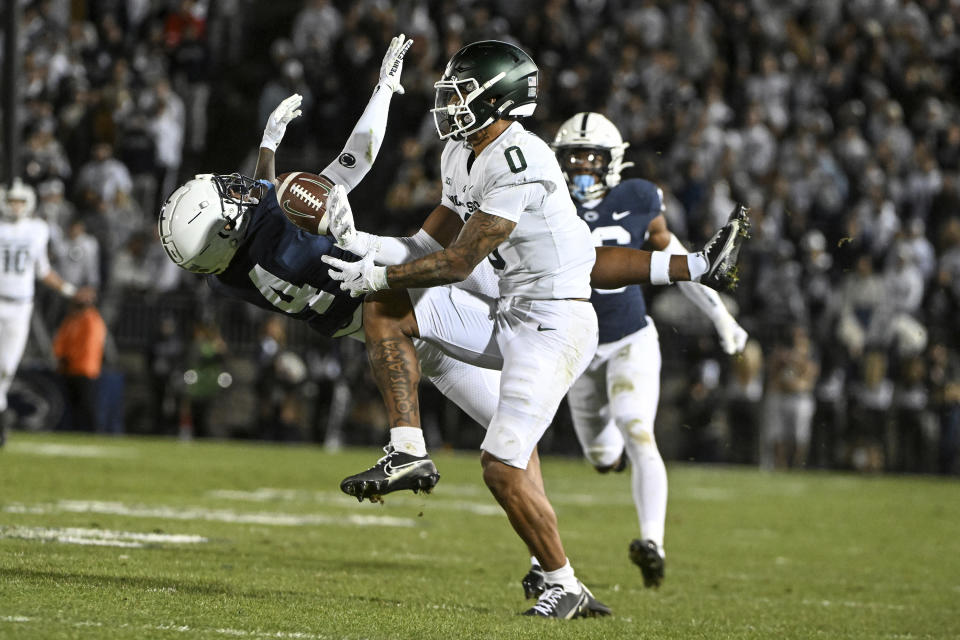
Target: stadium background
{"type": "Point", "coordinates": [836, 122]}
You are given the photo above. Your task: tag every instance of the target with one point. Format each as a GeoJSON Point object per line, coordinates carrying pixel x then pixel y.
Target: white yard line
{"type": "Point", "coordinates": [209, 515]}
{"type": "Point", "coordinates": [850, 604]}
{"type": "Point", "coordinates": [176, 628]}
{"type": "Point", "coordinates": [71, 450]}
{"type": "Point", "coordinates": [266, 494]}
{"type": "Point", "coordinates": [98, 537]}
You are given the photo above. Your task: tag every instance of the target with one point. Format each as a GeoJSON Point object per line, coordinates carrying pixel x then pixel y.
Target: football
{"type": "Point", "coordinates": [303, 198]}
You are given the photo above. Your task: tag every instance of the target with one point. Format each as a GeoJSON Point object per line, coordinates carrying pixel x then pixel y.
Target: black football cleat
{"type": "Point", "coordinates": [395, 471]}
{"type": "Point", "coordinates": [556, 603]}
{"type": "Point", "coordinates": [723, 250]}
{"type": "Point", "coordinates": [645, 555]}
{"type": "Point", "coordinates": [534, 582]}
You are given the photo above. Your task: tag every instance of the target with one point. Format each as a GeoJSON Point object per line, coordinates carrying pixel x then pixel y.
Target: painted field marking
{"type": "Point", "coordinates": [856, 605]}
{"type": "Point", "coordinates": [71, 450]}
{"type": "Point", "coordinates": [209, 515]}
{"type": "Point", "coordinates": [178, 628]}
{"type": "Point", "coordinates": [98, 537]}
{"type": "Point", "coordinates": [266, 494]}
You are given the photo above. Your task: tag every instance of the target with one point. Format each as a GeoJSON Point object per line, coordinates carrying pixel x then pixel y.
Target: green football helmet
{"type": "Point", "coordinates": [484, 82]}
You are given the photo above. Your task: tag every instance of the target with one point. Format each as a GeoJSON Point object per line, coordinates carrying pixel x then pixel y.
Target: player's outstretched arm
{"type": "Point", "coordinates": [439, 229]}
{"type": "Point", "coordinates": [732, 336]}
{"type": "Point", "coordinates": [714, 265]}
{"type": "Point", "coordinates": [481, 235]}
{"type": "Point", "coordinates": [83, 295]}
{"type": "Point", "coordinates": [273, 134]}
{"type": "Point", "coordinates": [622, 266]}
{"type": "Point", "coordinates": [363, 145]}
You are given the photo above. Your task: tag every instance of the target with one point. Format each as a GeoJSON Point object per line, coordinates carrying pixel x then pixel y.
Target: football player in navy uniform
{"type": "Point", "coordinates": [614, 403]}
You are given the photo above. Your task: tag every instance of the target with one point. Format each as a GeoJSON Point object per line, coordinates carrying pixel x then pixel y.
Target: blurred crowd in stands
{"type": "Point", "coordinates": [838, 123]}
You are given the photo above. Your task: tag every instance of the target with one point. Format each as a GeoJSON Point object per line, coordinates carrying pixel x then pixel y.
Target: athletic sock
{"type": "Point", "coordinates": [408, 440]}
{"type": "Point", "coordinates": [563, 576]}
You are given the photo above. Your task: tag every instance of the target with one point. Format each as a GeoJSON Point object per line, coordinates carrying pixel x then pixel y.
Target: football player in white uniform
{"type": "Point", "coordinates": [247, 236]}
{"type": "Point", "coordinates": [614, 403]}
{"type": "Point", "coordinates": [504, 198]}
{"type": "Point", "coordinates": [23, 259]}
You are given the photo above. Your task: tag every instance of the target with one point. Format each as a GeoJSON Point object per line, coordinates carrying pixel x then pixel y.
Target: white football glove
{"type": "Point", "coordinates": [278, 120]}
{"type": "Point", "coordinates": [393, 63]}
{"type": "Point", "coordinates": [358, 278]}
{"type": "Point", "coordinates": [342, 227]}
{"type": "Point", "coordinates": [733, 337]}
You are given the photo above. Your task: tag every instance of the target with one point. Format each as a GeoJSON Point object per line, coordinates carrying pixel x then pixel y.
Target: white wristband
{"type": "Point", "coordinates": [68, 290]}
{"type": "Point", "coordinates": [660, 268]}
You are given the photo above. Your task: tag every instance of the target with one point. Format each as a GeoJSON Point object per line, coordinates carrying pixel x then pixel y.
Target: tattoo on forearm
{"type": "Point", "coordinates": [481, 234]}
{"type": "Point", "coordinates": [397, 374]}
{"type": "Point", "coordinates": [431, 270]}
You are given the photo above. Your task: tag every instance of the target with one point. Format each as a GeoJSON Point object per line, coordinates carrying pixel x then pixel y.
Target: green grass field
{"type": "Point", "coordinates": [142, 538]}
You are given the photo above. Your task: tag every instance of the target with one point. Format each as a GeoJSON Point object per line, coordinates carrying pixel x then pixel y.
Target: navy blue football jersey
{"type": "Point", "coordinates": [278, 267]}
{"type": "Point", "coordinates": [621, 219]}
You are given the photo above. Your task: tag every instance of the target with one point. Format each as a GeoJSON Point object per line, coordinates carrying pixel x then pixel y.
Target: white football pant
{"type": "Point", "coordinates": [541, 347]}
{"type": "Point", "coordinates": [14, 329]}
{"type": "Point", "coordinates": [614, 407]}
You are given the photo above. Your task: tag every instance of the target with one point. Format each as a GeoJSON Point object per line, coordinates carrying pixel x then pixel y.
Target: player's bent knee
{"type": "Point", "coordinates": [389, 311]}
{"type": "Point", "coordinates": [603, 458]}
{"type": "Point", "coordinates": [640, 434]}
{"type": "Point", "coordinates": [508, 446]}
{"type": "Point", "coordinates": [496, 473]}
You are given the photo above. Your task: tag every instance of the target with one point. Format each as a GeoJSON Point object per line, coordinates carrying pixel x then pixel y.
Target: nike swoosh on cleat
{"type": "Point", "coordinates": [722, 265]}
{"type": "Point", "coordinates": [540, 327]}
{"type": "Point", "coordinates": [391, 469]}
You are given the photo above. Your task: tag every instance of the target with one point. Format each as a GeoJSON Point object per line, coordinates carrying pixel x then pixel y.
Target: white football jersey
{"type": "Point", "coordinates": [23, 256]}
{"type": "Point", "coordinates": [550, 253]}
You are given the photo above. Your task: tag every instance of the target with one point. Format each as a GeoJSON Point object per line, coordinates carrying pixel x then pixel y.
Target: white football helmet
{"type": "Point", "coordinates": [20, 201]}
{"type": "Point", "coordinates": [589, 131]}
{"type": "Point", "coordinates": [202, 223]}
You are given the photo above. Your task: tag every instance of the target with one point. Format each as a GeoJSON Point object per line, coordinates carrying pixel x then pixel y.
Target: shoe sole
{"type": "Point", "coordinates": [650, 563]}
{"type": "Point", "coordinates": [374, 490]}
{"type": "Point", "coordinates": [593, 608]}
{"type": "Point", "coordinates": [590, 609]}
{"type": "Point", "coordinates": [724, 276]}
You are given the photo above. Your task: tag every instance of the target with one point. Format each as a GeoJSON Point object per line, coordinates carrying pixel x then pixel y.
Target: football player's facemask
{"type": "Point", "coordinates": [20, 201]}
{"type": "Point", "coordinates": [202, 223]}
{"type": "Point", "coordinates": [484, 82]}
{"type": "Point", "coordinates": [585, 169]}
{"type": "Point", "coordinates": [590, 150]}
